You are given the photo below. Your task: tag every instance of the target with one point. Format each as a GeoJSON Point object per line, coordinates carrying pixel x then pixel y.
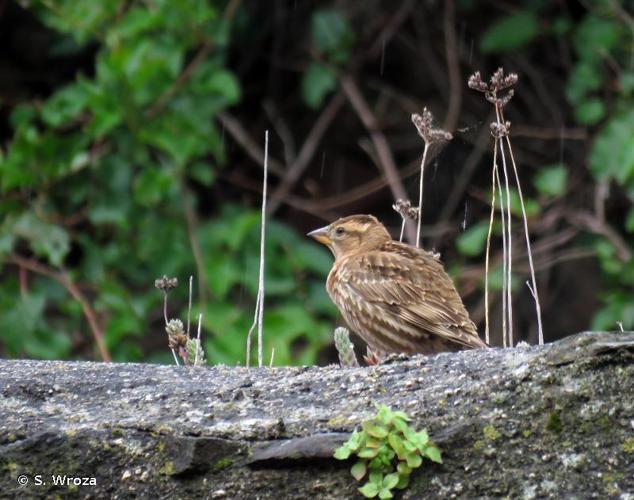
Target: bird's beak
{"type": "Point", "coordinates": [321, 235]}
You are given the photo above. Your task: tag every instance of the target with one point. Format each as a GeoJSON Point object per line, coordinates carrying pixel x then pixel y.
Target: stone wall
{"type": "Point", "coordinates": [531, 422]}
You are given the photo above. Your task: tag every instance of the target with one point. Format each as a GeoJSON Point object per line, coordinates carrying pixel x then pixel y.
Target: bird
{"type": "Point", "coordinates": [396, 297]}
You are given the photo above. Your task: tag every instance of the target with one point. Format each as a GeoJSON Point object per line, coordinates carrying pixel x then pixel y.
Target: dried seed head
{"type": "Point", "coordinates": [475, 82]}
{"type": "Point", "coordinates": [166, 283]}
{"type": "Point", "coordinates": [423, 125]}
{"type": "Point", "coordinates": [499, 130]}
{"type": "Point", "coordinates": [174, 327]}
{"type": "Point", "coordinates": [439, 135]}
{"type": "Point", "coordinates": [345, 348]}
{"type": "Point", "coordinates": [177, 339]}
{"type": "Point", "coordinates": [498, 83]}
{"type": "Point", "coordinates": [405, 209]}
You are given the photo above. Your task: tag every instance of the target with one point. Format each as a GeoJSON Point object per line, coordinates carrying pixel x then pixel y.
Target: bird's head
{"type": "Point", "coordinates": [352, 234]}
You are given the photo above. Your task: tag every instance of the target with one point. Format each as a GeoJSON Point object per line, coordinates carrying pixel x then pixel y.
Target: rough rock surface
{"type": "Point", "coordinates": [535, 422]}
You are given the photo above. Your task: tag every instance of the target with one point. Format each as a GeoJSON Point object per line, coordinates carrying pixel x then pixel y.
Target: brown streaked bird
{"type": "Point", "coordinates": [396, 297]}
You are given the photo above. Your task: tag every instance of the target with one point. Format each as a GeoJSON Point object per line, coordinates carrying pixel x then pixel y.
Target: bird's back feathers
{"type": "Point", "coordinates": [400, 299]}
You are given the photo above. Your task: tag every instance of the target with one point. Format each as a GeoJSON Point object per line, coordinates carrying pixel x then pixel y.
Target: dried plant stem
{"type": "Point", "coordinates": [259, 306]}
{"type": "Point", "coordinates": [175, 357]}
{"type": "Point", "coordinates": [400, 238]}
{"type": "Point", "coordinates": [508, 255]}
{"type": "Point", "coordinates": [488, 253]}
{"type": "Point", "coordinates": [420, 193]}
{"type": "Point", "coordinates": [200, 322]}
{"type": "Point", "coordinates": [165, 307]}
{"type": "Point", "coordinates": [253, 325]}
{"type": "Point", "coordinates": [504, 251]}
{"type": "Point", "coordinates": [272, 357]}
{"type": "Point", "coordinates": [538, 309]}
{"type": "Point", "coordinates": [189, 303]}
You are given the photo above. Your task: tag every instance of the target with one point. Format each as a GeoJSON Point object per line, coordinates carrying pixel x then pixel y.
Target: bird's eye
{"type": "Point", "coordinates": [340, 231]}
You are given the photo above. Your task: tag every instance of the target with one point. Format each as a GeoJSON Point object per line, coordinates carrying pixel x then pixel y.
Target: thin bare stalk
{"type": "Point", "coordinates": [175, 357]}
{"type": "Point", "coordinates": [538, 308]}
{"type": "Point", "coordinates": [189, 305]}
{"type": "Point", "coordinates": [400, 238]}
{"type": "Point", "coordinates": [488, 251]}
{"type": "Point", "coordinates": [165, 307]}
{"type": "Point", "coordinates": [259, 306]}
{"type": "Point", "coordinates": [420, 193]}
{"type": "Point", "coordinates": [253, 325]}
{"type": "Point", "coordinates": [508, 256]}
{"type": "Point", "coordinates": [200, 322]}
{"type": "Point", "coordinates": [504, 251]}
{"type": "Point", "coordinates": [272, 357]}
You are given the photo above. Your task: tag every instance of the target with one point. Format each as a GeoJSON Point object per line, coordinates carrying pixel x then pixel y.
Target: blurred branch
{"type": "Point", "coordinates": [192, 223]}
{"type": "Point", "coordinates": [282, 129]}
{"type": "Point", "coordinates": [242, 137]}
{"type": "Point", "coordinates": [182, 79]}
{"type": "Point", "coordinates": [295, 171]}
{"type": "Point", "coordinates": [64, 280]}
{"type": "Point", "coordinates": [380, 143]}
{"type": "Point", "coordinates": [594, 224]}
{"type": "Point", "coordinates": [453, 68]}
{"type": "Point", "coordinates": [463, 180]}
{"type": "Point", "coordinates": [574, 134]}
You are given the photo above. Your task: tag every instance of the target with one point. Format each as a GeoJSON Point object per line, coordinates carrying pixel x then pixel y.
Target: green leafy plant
{"type": "Point", "coordinates": [388, 450]}
{"type": "Point", "coordinates": [106, 183]}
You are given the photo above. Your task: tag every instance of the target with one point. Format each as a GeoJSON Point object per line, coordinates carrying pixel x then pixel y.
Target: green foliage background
{"type": "Point", "coordinates": [107, 179]}
{"type": "Point", "coordinates": [122, 152]}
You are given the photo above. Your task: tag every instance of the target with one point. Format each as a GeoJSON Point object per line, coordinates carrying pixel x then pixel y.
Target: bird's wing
{"type": "Point", "coordinates": [416, 289]}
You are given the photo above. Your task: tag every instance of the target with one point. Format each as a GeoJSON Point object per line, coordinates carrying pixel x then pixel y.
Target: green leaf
{"type": "Point", "coordinates": [376, 477]}
{"type": "Point", "coordinates": [203, 173]}
{"type": "Point", "coordinates": [629, 223]}
{"type": "Point", "coordinates": [317, 82]}
{"type": "Point", "coordinates": [46, 240]}
{"type": "Point", "coordinates": [400, 425]}
{"type": "Point", "coordinates": [413, 460]}
{"type": "Point", "coordinates": [422, 438]}
{"type": "Point", "coordinates": [65, 105]}
{"type": "Point", "coordinates": [590, 111]}
{"type": "Point", "coordinates": [359, 470]}
{"type": "Point", "coordinates": [397, 444]}
{"type": "Point", "coordinates": [473, 240]}
{"type": "Point", "coordinates": [385, 493]}
{"type": "Point", "coordinates": [332, 34]}
{"type": "Point", "coordinates": [496, 279]}
{"type": "Point", "coordinates": [433, 454]}
{"type": "Point", "coordinates": [403, 469]}
{"type": "Point", "coordinates": [212, 79]}
{"type": "Point", "coordinates": [612, 155]}
{"type": "Point", "coordinates": [403, 481]}
{"type": "Point", "coordinates": [390, 481]}
{"type": "Point", "coordinates": [595, 36]}
{"type": "Point", "coordinates": [355, 441]}
{"type": "Point", "coordinates": [585, 77]}
{"type": "Point", "coordinates": [510, 33]}
{"type": "Point", "coordinates": [342, 453]}
{"type": "Point", "coordinates": [152, 186]}
{"type": "Point", "coordinates": [626, 82]}
{"type": "Point", "coordinates": [384, 415]}
{"type": "Point", "coordinates": [369, 490]}
{"type": "Point", "coordinates": [552, 180]}
{"type": "Point", "coordinates": [375, 430]}
{"type": "Point", "coordinates": [402, 415]}
{"type": "Point", "coordinates": [368, 452]}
